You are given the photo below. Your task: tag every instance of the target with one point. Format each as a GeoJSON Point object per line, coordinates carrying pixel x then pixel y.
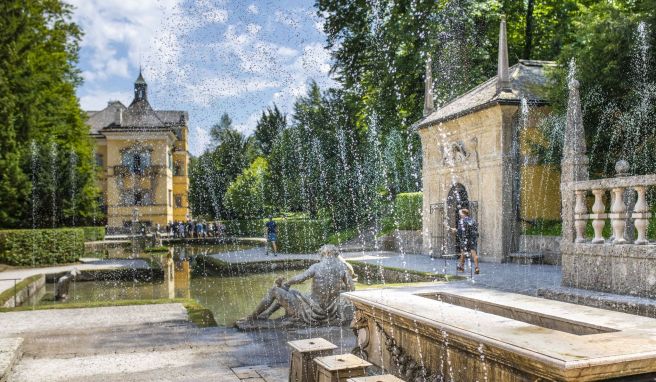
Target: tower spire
{"type": "Point", "coordinates": [140, 88]}
{"type": "Point", "coordinates": [503, 73]}
{"type": "Point", "coordinates": [428, 87]}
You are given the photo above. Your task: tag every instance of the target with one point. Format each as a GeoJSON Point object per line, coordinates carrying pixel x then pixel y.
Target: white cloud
{"type": "Point", "coordinates": [288, 19]}
{"type": "Point", "coordinates": [253, 9]}
{"type": "Point", "coordinates": [119, 34]}
{"type": "Point", "coordinates": [207, 90]}
{"type": "Point", "coordinates": [97, 100]}
{"type": "Point", "coordinates": [248, 126]}
{"type": "Point", "coordinates": [216, 16]}
{"type": "Point", "coordinates": [253, 29]}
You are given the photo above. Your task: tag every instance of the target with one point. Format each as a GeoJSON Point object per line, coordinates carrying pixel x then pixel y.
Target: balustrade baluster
{"type": "Point", "coordinates": [641, 215]}
{"type": "Point", "coordinates": [598, 216]}
{"type": "Point", "coordinates": [580, 216]}
{"type": "Point", "coordinates": [618, 216]}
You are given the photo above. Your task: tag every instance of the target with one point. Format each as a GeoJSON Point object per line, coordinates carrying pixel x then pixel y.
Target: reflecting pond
{"type": "Point", "coordinates": [229, 298]}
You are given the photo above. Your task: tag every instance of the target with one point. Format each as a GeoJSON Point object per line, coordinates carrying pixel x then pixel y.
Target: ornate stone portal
{"type": "Point", "coordinates": [323, 306]}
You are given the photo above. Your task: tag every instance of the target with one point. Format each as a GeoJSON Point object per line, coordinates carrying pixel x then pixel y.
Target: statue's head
{"type": "Point", "coordinates": [328, 250]}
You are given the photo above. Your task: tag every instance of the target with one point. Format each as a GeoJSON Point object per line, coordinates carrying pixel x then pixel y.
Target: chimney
{"type": "Point", "coordinates": [503, 73]}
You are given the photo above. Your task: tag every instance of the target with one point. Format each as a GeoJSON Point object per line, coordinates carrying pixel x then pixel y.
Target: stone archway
{"type": "Point", "coordinates": [457, 199]}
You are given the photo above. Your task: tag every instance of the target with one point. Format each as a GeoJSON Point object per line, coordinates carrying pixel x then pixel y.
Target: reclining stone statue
{"type": "Point", "coordinates": [330, 277]}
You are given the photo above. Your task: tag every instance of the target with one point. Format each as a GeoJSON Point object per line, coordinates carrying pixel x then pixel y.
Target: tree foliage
{"type": "Point", "coordinates": [244, 198]}
{"type": "Point", "coordinates": [47, 175]}
{"type": "Point", "coordinates": [268, 129]}
{"type": "Point", "coordinates": [212, 172]}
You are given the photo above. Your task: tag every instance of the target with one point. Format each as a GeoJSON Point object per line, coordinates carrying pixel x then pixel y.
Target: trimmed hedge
{"type": "Point", "coordinates": [94, 233]}
{"type": "Point", "coordinates": [41, 246]}
{"type": "Point", "coordinates": [245, 228]}
{"type": "Point", "coordinates": [294, 235]}
{"type": "Point", "coordinates": [405, 214]}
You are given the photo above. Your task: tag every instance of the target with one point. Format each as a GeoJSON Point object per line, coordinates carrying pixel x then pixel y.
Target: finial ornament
{"type": "Point", "coordinates": [428, 86]}
{"type": "Point", "coordinates": [503, 71]}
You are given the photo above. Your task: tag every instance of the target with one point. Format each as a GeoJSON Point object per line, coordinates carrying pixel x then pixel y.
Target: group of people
{"type": "Point", "coordinates": [195, 229]}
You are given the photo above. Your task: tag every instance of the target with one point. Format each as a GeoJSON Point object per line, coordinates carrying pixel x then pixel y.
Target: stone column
{"type": "Point", "coordinates": [622, 170]}
{"type": "Point", "coordinates": [574, 165]}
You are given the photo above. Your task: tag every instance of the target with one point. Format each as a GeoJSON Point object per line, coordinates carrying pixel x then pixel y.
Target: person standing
{"type": "Point", "coordinates": [467, 237]}
{"type": "Point", "coordinates": [272, 236]}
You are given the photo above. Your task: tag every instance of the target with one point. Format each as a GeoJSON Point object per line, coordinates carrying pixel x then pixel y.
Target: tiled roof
{"type": "Point", "coordinates": [527, 78]}
{"type": "Point", "coordinates": [139, 115]}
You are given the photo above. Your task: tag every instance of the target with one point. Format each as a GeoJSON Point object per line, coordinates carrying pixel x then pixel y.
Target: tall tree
{"type": "Point", "coordinates": [47, 175]}
{"type": "Point", "coordinates": [269, 127]}
{"type": "Point", "coordinates": [211, 173]}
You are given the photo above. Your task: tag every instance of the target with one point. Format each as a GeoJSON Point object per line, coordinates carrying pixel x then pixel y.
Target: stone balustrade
{"type": "Point", "coordinates": [628, 209]}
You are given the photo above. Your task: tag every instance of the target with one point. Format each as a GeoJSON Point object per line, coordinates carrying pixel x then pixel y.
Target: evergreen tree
{"type": "Point", "coordinates": [269, 127]}
{"type": "Point", "coordinates": [39, 111]}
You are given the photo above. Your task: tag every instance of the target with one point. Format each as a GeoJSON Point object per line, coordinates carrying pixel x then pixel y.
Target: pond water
{"type": "Point", "coordinates": [229, 298]}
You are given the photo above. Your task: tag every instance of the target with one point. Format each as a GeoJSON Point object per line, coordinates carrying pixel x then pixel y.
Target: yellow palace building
{"type": "Point", "coordinates": [143, 157]}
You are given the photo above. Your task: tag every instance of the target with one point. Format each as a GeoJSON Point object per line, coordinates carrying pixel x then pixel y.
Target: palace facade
{"type": "Point", "coordinates": [142, 156]}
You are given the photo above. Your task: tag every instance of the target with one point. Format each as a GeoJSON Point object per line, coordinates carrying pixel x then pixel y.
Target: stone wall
{"type": "Point", "coordinates": [402, 241]}
{"type": "Point", "coordinates": [620, 269]}
{"type": "Point", "coordinates": [32, 291]}
{"type": "Point", "coordinates": [548, 246]}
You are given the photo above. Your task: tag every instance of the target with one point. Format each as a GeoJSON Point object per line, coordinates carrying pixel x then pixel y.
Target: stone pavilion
{"type": "Point", "coordinates": [476, 155]}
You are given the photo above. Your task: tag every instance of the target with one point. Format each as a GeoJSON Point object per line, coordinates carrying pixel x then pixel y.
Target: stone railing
{"type": "Point", "coordinates": [629, 209]}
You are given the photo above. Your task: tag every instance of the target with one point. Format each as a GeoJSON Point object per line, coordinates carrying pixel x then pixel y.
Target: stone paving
{"type": "Point", "coordinates": [147, 343]}
{"type": "Point", "coordinates": [518, 278]}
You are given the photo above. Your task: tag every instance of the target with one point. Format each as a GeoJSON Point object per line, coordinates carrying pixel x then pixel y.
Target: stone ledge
{"type": "Point", "coordinates": [11, 350]}
{"type": "Point", "coordinates": [526, 257]}
{"type": "Point", "coordinates": [641, 306]}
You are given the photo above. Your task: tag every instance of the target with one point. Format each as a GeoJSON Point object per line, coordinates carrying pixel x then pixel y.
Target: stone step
{"type": "Point", "coordinates": [376, 378]}
{"type": "Point", "coordinates": [526, 257]}
{"type": "Point", "coordinates": [11, 350]}
{"type": "Point", "coordinates": [640, 306]}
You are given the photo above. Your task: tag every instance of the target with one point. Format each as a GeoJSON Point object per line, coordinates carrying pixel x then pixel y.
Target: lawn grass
{"type": "Point", "coordinates": [198, 314]}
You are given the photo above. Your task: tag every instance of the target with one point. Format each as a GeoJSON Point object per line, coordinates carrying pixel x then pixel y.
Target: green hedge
{"type": "Point", "coordinates": [41, 246]}
{"type": "Point", "coordinates": [302, 236]}
{"type": "Point", "coordinates": [94, 233]}
{"type": "Point", "coordinates": [294, 235]}
{"type": "Point", "coordinates": [405, 214]}
{"type": "Point", "coordinates": [245, 228]}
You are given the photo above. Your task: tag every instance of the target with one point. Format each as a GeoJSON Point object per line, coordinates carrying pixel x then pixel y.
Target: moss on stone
{"type": "Point", "coordinates": [9, 293]}
{"type": "Point", "coordinates": [198, 314]}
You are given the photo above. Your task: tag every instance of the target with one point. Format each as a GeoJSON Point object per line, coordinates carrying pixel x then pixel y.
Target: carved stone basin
{"type": "Point", "coordinates": [460, 333]}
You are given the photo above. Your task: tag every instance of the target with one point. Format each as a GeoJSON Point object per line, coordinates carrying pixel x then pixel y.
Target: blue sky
{"type": "Point", "coordinates": [205, 57]}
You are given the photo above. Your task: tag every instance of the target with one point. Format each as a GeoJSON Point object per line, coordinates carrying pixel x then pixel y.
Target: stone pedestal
{"type": "Point", "coordinates": [302, 367]}
{"type": "Point", "coordinates": [340, 368]}
{"type": "Point", "coordinates": [376, 378]}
